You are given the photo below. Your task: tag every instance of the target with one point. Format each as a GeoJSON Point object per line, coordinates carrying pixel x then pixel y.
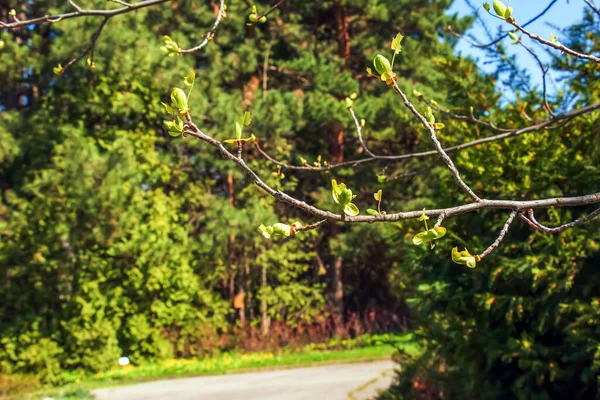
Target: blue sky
{"type": "Point", "coordinates": [562, 14]}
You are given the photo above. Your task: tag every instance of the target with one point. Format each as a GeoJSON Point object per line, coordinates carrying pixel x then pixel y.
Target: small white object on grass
{"type": "Point", "coordinates": [123, 361]}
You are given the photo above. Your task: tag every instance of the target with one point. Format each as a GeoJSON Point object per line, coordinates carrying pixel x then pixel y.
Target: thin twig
{"type": "Point", "coordinates": [507, 134]}
{"type": "Point", "coordinates": [79, 14]}
{"type": "Point", "coordinates": [90, 47]}
{"type": "Point", "coordinates": [311, 226]}
{"type": "Point", "coordinates": [544, 72]}
{"type": "Point", "coordinates": [75, 6]}
{"type": "Point", "coordinates": [503, 233]}
{"type": "Point", "coordinates": [359, 133]}
{"type": "Point", "coordinates": [211, 33]}
{"type": "Point", "coordinates": [536, 225]}
{"type": "Point", "coordinates": [557, 45]}
{"type": "Point", "coordinates": [592, 6]}
{"type": "Point", "coordinates": [438, 146]}
{"type": "Point", "coordinates": [439, 221]}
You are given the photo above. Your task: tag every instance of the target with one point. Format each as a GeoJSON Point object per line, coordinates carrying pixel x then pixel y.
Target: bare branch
{"type": "Point", "coordinates": [75, 6]}
{"type": "Point", "coordinates": [592, 6]}
{"type": "Point", "coordinates": [311, 226]}
{"type": "Point", "coordinates": [359, 133]}
{"type": "Point", "coordinates": [440, 220]}
{"type": "Point", "coordinates": [557, 46]}
{"type": "Point", "coordinates": [507, 134]}
{"type": "Point", "coordinates": [503, 233]}
{"type": "Point", "coordinates": [447, 212]}
{"type": "Point", "coordinates": [211, 33]}
{"type": "Point", "coordinates": [536, 225]}
{"type": "Point", "coordinates": [437, 144]}
{"type": "Point", "coordinates": [544, 73]}
{"type": "Point", "coordinates": [82, 13]}
{"type": "Point", "coordinates": [90, 47]}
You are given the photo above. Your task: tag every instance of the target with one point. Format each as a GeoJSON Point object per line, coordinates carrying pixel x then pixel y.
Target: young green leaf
{"type": "Point", "coordinates": [246, 119]}
{"type": "Point", "coordinates": [238, 131]}
{"type": "Point", "coordinates": [189, 80]}
{"type": "Point", "coordinates": [174, 128]}
{"type": "Point", "coordinates": [282, 229]}
{"type": "Point", "coordinates": [438, 232]}
{"type": "Point", "coordinates": [377, 195]}
{"type": "Point", "coordinates": [336, 190]}
{"type": "Point", "coordinates": [370, 211]}
{"type": "Point", "coordinates": [464, 258]}
{"type": "Point", "coordinates": [345, 197]}
{"type": "Point", "coordinates": [168, 108]}
{"type": "Point", "coordinates": [266, 231]}
{"type": "Point", "coordinates": [396, 43]}
{"type": "Point", "coordinates": [429, 235]}
{"type": "Point", "coordinates": [351, 210]}
{"type": "Point", "coordinates": [170, 47]}
{"type": "Point", "coordinates": [420, 238]}
{"type": "Point", "coordinates": [388, 76]}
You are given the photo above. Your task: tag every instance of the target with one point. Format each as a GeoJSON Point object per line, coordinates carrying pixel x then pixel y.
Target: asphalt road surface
{"type": "Point", "coordinates": [330, 382]}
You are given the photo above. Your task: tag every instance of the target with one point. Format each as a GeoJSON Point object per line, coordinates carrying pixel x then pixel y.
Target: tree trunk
{"type": "Point", "coordinates": [338, 295]}
{"type": "Point", "coordinates": [248, 290]}
{"type": "Point", "coordinates": [342, 24]}
{"type": "Point", "coordinates": [264, 319]}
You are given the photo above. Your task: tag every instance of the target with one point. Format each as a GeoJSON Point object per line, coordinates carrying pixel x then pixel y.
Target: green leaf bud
{"type": "Point", "coordinates": [179, 100]}
{"type": "Point", "coordinates": [500, 8]}
{"type": "Point", "coordinates": [382, 64]}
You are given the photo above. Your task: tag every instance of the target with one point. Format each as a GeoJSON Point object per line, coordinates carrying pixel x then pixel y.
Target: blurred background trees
{"type": "Point", "coordinates": [118, 240]}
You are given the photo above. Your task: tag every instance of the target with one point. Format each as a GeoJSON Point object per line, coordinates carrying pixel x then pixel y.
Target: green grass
{"type": "Point", "coordinates": [377, 347]}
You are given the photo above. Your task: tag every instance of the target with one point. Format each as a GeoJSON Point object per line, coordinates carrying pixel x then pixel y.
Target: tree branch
{"type": "Point", "coordinates": [211, 33]}
{"type": "Point", "coordinates": [506, 134]}
{"type": "Point", "coordinates": [81, 13]}
{"type": "Point", "coordinates": [592, 6]}
{"type": "Point", "coordinates": [437, 144]}
{"type": "Point", "coordinates": [447, 212]}
{"type": "Point", "coordinates": [557, 45]}
{"type": "Point", "coordinates": [503, 233]}
{"type": "Point", "coordinates": [536, 225]}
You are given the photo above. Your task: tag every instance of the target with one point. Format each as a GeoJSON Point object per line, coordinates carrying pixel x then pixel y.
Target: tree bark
{"type": "Point", "coordinates": [342, 23]}
{"type": "Point", "coordinates": [264, 319]}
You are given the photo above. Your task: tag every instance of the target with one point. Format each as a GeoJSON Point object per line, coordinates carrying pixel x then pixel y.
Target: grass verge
{"type": "Point", "coordinates": [225, 364]}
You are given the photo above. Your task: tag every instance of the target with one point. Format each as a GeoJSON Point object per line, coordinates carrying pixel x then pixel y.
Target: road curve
{"type": "Point", "coordinates": [330, 382]}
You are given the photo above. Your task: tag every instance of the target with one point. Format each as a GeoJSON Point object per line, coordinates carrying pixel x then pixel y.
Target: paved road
{"type": "Point", "coordinates": [331, 382]}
